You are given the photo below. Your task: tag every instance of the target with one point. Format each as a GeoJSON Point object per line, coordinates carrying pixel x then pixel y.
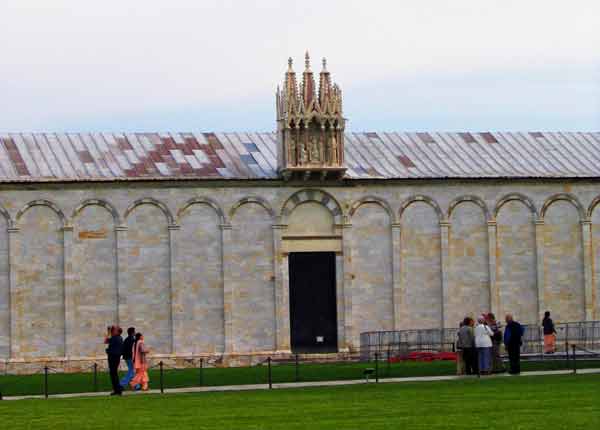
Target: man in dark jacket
{"type": "Point", "coordinates": [513, 339]}
{"type": "Point", "coordinates": [127, 356]}
{"type": "Point", "coordinates": [114, 352]}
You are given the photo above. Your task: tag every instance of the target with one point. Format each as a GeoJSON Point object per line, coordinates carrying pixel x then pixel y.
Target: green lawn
{"type": "Point", "coordinates": [537, 402]}
{"type": "Point", "coordinates": [83, 382]}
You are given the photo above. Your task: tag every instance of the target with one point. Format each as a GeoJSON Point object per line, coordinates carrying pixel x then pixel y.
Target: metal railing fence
{"type": "Point", "coordinates": [585, 334]}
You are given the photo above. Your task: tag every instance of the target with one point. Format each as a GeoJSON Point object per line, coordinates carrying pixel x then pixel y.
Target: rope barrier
{"type": "Point", "coordinates": [589, 351]}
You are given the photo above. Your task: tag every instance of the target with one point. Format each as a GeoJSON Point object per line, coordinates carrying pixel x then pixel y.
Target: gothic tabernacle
{"type": "Point", "coordinates": [310, 126]}
{"type": "Point", "coordinates": [230, 245]}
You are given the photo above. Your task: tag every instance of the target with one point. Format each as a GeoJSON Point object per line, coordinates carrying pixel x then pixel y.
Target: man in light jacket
{"type": "Point", "coordinates": [483, 343]}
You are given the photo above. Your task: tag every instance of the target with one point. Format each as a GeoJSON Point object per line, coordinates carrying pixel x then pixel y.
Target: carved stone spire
{"type": "Point", "coordinates": [308, 83]}
{"type": "Point", "coordinates": [310, 127]}
{"type": "Point", "coordinates": [324, 87]}
{"type": "Point", "coordinates": [291, 88]}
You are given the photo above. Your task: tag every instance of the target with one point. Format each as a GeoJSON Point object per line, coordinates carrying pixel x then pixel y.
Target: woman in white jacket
{"type": "Point", "coordinates": [483, 343]}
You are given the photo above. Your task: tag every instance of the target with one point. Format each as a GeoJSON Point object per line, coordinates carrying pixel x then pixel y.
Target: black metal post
{"type": "Point", "coordinates": [376, 367]}
{"type": "Point", "coordinates": [95, 377]}
{"type": "Point", "coordinates": [201, 380]}
{"type": "Point", "coordinates": [574, 360]}
{"type": "Point", "coordinates": [162, 387]}
{"type": "Point", "coordinates": [297, 369]}
{"type": "Point", "coordinates": [46, 382]}
{"type": "Point", "coordinates": [389, 364]}
{"type": "Point", "coordinates": [269, 373]}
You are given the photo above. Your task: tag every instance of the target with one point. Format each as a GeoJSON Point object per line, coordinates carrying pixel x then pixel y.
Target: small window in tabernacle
{"type": "Point", "coordinates": [467, 137]}
{"type": "Point", "coordinates": [426, 137]}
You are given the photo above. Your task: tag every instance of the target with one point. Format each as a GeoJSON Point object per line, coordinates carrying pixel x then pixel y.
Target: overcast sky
{"type": "Point", "coordinates": [214, 65]}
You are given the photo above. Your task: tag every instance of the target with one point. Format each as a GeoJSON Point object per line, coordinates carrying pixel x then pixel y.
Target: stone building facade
{"type": "Point", "coordinates": [188, 236]}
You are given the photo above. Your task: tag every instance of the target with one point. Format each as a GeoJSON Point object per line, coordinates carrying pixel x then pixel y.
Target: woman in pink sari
{"type": "Point", "coordinates": [140, 364]}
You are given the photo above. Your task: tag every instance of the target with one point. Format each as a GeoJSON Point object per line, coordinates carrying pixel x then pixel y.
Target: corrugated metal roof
{"type": "Point", "coordinates": [113, 157]}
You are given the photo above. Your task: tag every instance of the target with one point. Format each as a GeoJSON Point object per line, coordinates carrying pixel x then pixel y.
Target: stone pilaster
{"type": "Point", "coordinates": [282, 294]}
{"type": "Point", "coordinates": [348, 340]}
{"type": "Point", "coordinates": [121, 252]}
{"type": "Point", "coordinates": [588, 256]}
{"type": "Point", "coordinates": [228, 293]}
{"type": "Point", "coordinates": [173, 310]}
{"type": "Point", "coordinates": [398, 294]}
{"type": "Point", "coordinates": [539, 256]}
{"type": "Point", "coordinates": [595, 272]}
{"type": "Point", "coordinates": [445, 243]}
{"type": "Point", "coordinates": [492, 248]}
{"type": "Point", "coordinates": [14, 249]}
{"type": "Point", "coordinates": [69, 287]}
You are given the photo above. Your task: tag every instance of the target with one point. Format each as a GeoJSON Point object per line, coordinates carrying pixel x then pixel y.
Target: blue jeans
{"type": "Point", "coordinates": [485, 359]}
{"type": "Point", "coordinates": [129, 376]}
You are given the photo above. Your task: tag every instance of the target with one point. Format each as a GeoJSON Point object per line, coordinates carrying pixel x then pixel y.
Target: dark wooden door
{"type": "Point", "coordinates": [313, 312]}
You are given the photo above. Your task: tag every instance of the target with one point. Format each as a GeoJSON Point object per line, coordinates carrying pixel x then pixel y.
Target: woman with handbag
{"type": "Point", "coordinates": [140, 364]}
{"type": "Point", "coordinates": [483, 343]}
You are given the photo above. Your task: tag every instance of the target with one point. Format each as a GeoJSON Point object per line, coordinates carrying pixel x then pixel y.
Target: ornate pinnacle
{"type": "Point", "coordinates": [307, 61]}
{"type": "Point", "coordinates": [290, 62]}
{"type": "Point", "coordinates": [324, 87]}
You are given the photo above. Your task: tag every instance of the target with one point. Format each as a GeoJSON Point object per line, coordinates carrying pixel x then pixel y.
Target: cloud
{"type": "Point", "coordinates": [140, 64]}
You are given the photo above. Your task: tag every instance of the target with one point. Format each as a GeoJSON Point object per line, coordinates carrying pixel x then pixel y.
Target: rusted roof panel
{"type": "Point", "coordinates": [43, 157]}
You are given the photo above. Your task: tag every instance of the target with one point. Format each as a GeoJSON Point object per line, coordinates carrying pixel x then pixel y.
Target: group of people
{"type": "Point", "coordinates": [478, 345]}
{"type": "Point", "coordinates": [134, 352]}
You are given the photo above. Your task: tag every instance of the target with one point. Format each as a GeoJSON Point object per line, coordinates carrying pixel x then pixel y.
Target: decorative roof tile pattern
{"type": "Point", "coordinates": [42, 157]}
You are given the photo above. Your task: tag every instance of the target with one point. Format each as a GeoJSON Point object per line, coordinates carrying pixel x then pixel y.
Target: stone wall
{"type": "Point", "coordinates": [252, 280]}
{"type": "Point", "coordinates": [516, 261]}
{"type": "Point", "coordinates": [201, 268]}
{"type": "Point", "coordinates": [38, 299]}
{"type": "Point", "coordinates": [4, 291]}
{"type": "Point", "coordinates": [594, 264]}
{"type": "Point", "coordinates": [93, 269]}
{"type": "Point", "coordinates": [421, 265]}
{"type": "Point", "coordinates": [372, 287]}
{"type": "Point", "coordinates": [468, 265]}
{"type": "Point", "coordinates": [564, 291]}
{"type": "Point", "coordinates": [198, 302]}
